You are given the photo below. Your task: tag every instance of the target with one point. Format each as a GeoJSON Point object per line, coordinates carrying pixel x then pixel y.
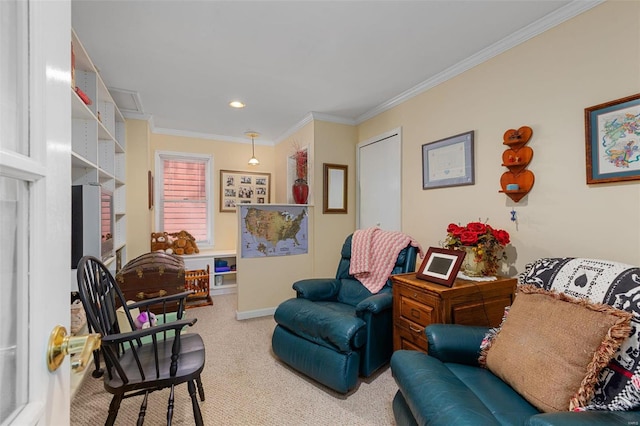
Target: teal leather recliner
{"type": "Point", "coordinates": [336, 329]}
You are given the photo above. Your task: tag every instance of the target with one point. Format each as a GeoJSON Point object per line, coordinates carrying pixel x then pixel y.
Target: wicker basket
{"type": "Point", "coordinates": [78, 316]}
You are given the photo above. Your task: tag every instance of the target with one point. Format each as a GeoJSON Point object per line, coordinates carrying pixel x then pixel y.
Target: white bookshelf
{"type": "Point", "coordinates": [219, 282]}
{"type": "Point", "coordinates": [98, 151]}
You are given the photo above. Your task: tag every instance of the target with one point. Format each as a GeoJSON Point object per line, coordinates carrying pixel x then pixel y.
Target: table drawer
{"type": "Point", "coordinates": [411, 339]}
{"type": "Point", "coordinates": [415, 312]}
{"type": "Point", "coordinates": [419, 295]}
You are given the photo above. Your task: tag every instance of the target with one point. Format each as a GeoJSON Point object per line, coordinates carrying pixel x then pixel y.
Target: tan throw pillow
{"type": "Point", "coordinates": [551, 347]}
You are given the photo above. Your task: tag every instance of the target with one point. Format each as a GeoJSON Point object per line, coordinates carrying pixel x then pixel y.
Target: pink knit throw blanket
{"type": "Point", "coordinates": [374, 253]}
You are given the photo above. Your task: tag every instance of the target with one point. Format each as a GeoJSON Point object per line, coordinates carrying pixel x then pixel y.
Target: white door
{"type": "Point", "coordinates": [379, 164]}
{"type": "Point", "coordinates": [35, 200]}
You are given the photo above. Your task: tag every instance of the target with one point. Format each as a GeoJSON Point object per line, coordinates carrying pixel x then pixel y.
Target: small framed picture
{"type": "Point", "coordinates": [612, 131]}
{"type": "Point", "coordinates": [441, 266]}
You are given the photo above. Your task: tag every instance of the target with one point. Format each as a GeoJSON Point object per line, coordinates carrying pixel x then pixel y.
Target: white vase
{"type": "Point", "coordinates": [470, 266]}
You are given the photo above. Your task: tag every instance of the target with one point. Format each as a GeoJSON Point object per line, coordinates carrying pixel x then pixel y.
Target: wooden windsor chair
{"type": "Point", "coordinates": [134, 368]}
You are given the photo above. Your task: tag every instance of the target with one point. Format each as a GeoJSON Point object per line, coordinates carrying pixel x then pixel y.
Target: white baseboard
{"type": "Point", "coordinates": [255, 314]}
{"type": "Point", "coordinates": [223, 289]}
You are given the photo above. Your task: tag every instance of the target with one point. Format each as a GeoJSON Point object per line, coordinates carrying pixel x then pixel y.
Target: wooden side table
{"type": "Point", "coordinates": [418, 303]}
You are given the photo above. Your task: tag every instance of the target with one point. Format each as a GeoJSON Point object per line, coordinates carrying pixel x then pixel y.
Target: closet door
{"type": "Point", "coordinates": [379, 185]}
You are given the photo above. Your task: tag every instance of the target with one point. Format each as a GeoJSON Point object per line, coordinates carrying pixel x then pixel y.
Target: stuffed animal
{"type": "Point", "coordinates": [145, 321]}
{"type": "Point", "coordinates": [184, 243]}
{"type": "Point", "coordinates": [160, 242]}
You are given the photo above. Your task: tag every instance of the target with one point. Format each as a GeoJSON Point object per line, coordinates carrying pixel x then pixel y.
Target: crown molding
{"type": "Point", "coordinates": [190, 134]}
{"type": "Point", "coordinates": [320, 116]}
{"type": "Point", "coordinates": [308, 118]}
{"type": "Point", "coordinates": [311, 116]}
{"type": "Point", "coordinates": [561, 15]}
{"type": "Point", "coordinates": [208, 136]}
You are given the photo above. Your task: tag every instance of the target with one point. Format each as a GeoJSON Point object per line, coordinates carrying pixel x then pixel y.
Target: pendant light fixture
{"type": "Point", "coordinates": [253, 161]}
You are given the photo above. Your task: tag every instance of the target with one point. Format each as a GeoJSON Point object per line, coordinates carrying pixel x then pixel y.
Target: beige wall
{"type": "Point", "coordinates": [335, 144]}
{"type": "Point", "coordinates": [138, 213]}
{"type": "Point", "coordinates": [226, 156]}
{"type": "Point", "coordinates": [327, 143]}
{"type": "Point", "coordinates": [141, 148]}
{"type": "Point", "coordinates": [265, 282]}
{"type": "Point", "coordinates": [544, 83]}
{"type": "Point", "coordinates": [302, 138]}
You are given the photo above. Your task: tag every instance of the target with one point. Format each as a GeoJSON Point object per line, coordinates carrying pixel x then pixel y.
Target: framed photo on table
{"type": "Point", "coordinates": [448, 162]}
{"type": "Point", "coordinates": [612, 136]}
{"type": "Point", "coordinates": [238, 187]}
{"type": "Point", "coordinates": [441, 266]}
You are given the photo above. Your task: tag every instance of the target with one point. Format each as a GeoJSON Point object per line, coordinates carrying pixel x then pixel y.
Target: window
{"type": "Point", "coordinates": [183, 194]}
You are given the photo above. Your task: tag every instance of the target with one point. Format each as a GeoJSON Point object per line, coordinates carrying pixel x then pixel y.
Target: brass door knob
{"type": "Point", "coordinates": [60, 345]}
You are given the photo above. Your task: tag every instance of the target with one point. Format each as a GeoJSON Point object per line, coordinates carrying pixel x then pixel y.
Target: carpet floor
{"type": "Point", "coordinates": [245, 384]}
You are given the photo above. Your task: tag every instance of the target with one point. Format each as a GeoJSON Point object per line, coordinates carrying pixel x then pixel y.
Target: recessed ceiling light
{"type": "Point", "coordinates": [236, 104]}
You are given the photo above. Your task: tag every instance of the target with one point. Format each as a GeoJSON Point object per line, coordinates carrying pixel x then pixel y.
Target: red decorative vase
{"type": "Point", "coordinates": [300, 191]}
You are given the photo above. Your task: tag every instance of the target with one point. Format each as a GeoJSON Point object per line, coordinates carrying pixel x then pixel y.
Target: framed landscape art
{"type": "Point", "coordinates": [238, 187]}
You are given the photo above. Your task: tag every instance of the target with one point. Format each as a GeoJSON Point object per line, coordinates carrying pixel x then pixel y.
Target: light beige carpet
{"type": "Point", "coordinates": [245, 384]}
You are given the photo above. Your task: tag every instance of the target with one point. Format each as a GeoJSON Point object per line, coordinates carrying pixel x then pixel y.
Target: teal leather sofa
{"type": "Point", "coordinates": [335, 329]}
{"type": "Point", "coordinates": [448, 387]}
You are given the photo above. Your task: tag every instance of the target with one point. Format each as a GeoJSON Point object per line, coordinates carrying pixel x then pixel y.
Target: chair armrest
{"type": "Point", "coordinates": [156, 300]}
{"type": "Point", "coordinates": [376, 303]}
{"type": "Point", "coordinates": [586, 418]}
{"type": "Point", "coordinates": [317, 288]}
{"type": "Point", "coordinates": [455, 343]}
{"type": "Point", "coordinates": [138, 334]}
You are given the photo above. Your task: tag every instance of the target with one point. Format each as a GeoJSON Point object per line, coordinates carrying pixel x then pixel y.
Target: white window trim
{"type": "Point", "coordinates": [186, 156]}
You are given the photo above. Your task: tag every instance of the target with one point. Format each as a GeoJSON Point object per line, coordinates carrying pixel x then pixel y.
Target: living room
{"type": "Point", "coordinates": [544, 83]}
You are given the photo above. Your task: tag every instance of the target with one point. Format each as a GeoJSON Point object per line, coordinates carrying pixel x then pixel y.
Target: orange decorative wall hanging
{"type": "Point", "coordinates": [517, 181]}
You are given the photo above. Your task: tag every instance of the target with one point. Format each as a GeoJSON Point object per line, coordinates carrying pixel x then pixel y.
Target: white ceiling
{"type": "Point", "coordinates": [342, 61]}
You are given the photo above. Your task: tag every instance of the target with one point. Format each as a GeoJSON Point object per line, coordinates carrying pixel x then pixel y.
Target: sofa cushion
{"type": "Point", "coordinates": [329, 324]}
{"type": "Point", "coordinates": [601, 281]}
{"type": "Point", "coordinates": [439, 393]}
{"type": "Point", "coordinates": [551, 347]}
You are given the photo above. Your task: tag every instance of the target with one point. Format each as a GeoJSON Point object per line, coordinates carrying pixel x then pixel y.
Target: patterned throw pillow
{"type": "Point", "coordinates": [600, 281]}
{"type": "Point", "coordinates": [488, 338]}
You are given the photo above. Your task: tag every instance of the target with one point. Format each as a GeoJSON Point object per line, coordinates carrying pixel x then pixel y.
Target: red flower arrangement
{"type": "Point", "coordinates": [301, 165]}
{"type": "Point", "coordinates": [485, 242]}
{"type": "Point", "coordinates": [300, 156]}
